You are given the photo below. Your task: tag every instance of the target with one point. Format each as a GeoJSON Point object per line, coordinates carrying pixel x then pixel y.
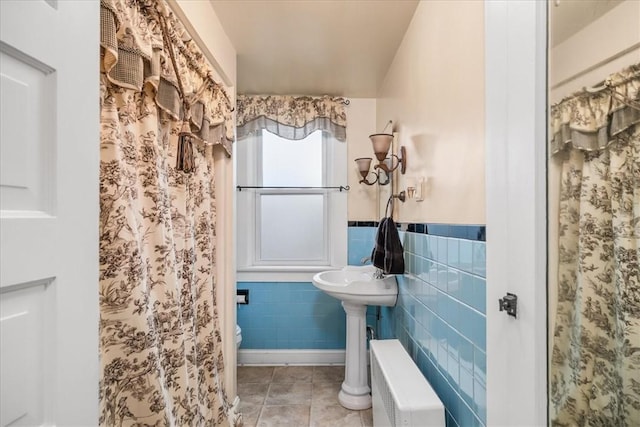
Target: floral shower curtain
{"type": "Point", "coordinates": [595, 364]}
{"type": "Point", "coordinates": [160, 343]}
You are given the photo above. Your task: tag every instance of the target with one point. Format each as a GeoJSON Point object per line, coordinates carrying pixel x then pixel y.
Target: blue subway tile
{"type": "Point", "coordinates": [422, 245]}
{"type": "Point", "coordinates": [424, 338]}
{"type": "Point", "coordinates": [408, 263]}
{"type": "Point", "coordinates": [479, 299]}
{"type": "Point", "coordinates": [442, 250]}
{"type": "Point", "coordinates": [422, 361]}
{"type": "Point", "coordinates": [466, 322]}
{"type": "Point", "coordinates": [439, 328]}
{"type": "Point", "coordinates": [477, 422]}
{"type": "Point", "coordinates": [431, 298]}
{"type": "Point", "coordinates": [453, 374]}
{"type": "Point", "coordinates": [443, 356]}
{"type": "Point", "coordinates": [447, 394]}
{"type": "Point", "coordinates": [466, 416]}
{"type": "Point", "coordinates": [442, 277]}
{"type": "Point", "coordinates": [466, 386]}
{"type": "Point", "coordinates": [433, 273]}
{"type": "Point", "coordinates": [360, 233]}
{"type": "Point", "coordinates": [453, 283]}
{"type": "Point", "coordinates": [433, 349]}
{"type": "Point", "coordinates": [353, 258]}
{"type": "Point", "coordinates": [450, 421]}
{"type": "Point", "coordinates": [466, 288]}
{"type": "Point", "coordinates": [420, 266]}
{"type": "Point", "coordinates": [480, 400]}
{"type": "Point", "coordinates": [432, 243]}
{"type": "Point", "coordinates": [438, 229]}
{"type": "Point", "coordinates": [452, 253]}
{"type": "Point", "coordinates": [466, 256]}
{"type": "Point", "coordinates": [425, 270]}
{"type": "Point", "coordinates": [480, 331]}
{"type": "Point", "coordinates": [442, 305]}
{"type": "Point", "coordinates": [480, 366]}
{"type": "Point", "coordinates": [479, 259]}
{"type": "Point", "coordinates": [453, 343]}
{"type": "Point", "coordinates": [453, 313]}
{"type": "Point", "coordinates": [465, 354]}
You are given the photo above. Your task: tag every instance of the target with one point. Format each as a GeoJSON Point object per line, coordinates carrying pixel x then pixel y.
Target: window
{"type": "Point", "coordinates": [292, 232]}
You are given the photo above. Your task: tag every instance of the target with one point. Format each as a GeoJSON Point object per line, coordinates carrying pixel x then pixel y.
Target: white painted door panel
{"type": "Point", "coordinates": [49, 157]}
{"type": "Point", "coordinates": [515, 68]}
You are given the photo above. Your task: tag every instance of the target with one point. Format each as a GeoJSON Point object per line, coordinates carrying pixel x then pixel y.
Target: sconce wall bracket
{"type": "Point", "coordinates": [400, 161]}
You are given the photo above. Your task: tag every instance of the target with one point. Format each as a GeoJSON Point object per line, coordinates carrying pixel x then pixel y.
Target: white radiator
{"type": "Point", "coordinates": [401, 395]}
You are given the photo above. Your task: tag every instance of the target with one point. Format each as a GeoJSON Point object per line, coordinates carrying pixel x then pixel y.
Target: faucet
{"type": "Point", "coordinates": [365, 260]}
{"type": "Point", "coordinates": [379, 274]}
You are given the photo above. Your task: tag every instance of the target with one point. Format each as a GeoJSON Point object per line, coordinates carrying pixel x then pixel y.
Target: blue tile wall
{"type": "Point", "coordinates": [360, 243]}
{"type": "Point", "coordinates": [290, 315]}
{"type": "Point", "coordinates": [440, 317]}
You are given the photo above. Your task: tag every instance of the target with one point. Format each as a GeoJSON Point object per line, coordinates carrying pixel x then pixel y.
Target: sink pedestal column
{"type": "Point", "coordinates": [355, 393]}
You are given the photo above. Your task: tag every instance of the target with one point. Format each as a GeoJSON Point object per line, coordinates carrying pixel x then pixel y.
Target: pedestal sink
{"type": "Point", "coordinates": [357, 287]}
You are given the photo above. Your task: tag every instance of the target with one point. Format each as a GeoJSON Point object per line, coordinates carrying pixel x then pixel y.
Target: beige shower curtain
{"type": "Point", "coordinates": [160, 344]}
{"type": "Point", "coordinates": [595, 364]}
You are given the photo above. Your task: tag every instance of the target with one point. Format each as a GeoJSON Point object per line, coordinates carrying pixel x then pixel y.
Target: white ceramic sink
{"type": "Point", "coordinates": [357, 287]}
{"type": "Point", "coordinates": [356, 284]}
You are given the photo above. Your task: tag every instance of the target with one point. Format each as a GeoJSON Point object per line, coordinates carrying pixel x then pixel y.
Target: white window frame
{"type": "Point", "coordinates": [249, 266]}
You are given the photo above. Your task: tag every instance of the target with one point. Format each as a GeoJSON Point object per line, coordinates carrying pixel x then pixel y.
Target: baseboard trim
{"type": "Point", "coordinates": [291, 357]}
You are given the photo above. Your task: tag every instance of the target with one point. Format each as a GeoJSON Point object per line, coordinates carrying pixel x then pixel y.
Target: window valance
{"type": "Point", "coordinates": [291, 117]}
{"type": "Point", "coordinates": [594, 118]}
{"type": "Point", "coordinates": [133, 56]}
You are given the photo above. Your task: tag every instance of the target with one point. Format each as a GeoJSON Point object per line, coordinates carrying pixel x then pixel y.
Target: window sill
{"type": "Point", "coordinates": [281, 274]}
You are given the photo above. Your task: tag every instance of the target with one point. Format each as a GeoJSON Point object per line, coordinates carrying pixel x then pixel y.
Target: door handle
{"type": "Point", "coordinates": [509, 304]}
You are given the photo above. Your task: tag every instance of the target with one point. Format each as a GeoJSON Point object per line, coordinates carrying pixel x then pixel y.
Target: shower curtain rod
{"type": "Point", "coordinates": [242, 187]}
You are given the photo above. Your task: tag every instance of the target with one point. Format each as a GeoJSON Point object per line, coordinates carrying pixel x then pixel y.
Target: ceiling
{"type": "Point", "coordinates": [567, 17]}
{"type": "Point", "coordinates": [298, 47]}
{"type": "Point", "coordinates": [341, 47]}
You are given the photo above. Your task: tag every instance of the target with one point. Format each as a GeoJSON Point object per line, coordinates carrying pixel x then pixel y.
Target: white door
{"type": "Point", "coordinates": [49, 160]}
{"type": "Point", "coordinates": [516, 67]}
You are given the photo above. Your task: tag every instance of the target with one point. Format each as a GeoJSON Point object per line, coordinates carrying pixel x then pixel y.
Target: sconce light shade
{"type": "Point", "coordinates": [381, 144]}
{"type": "Point", "coordinates": [364, 163]}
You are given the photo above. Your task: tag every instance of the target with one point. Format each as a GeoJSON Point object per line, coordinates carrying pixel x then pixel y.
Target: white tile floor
{"type": "Point", "coordinates": [295, 396]}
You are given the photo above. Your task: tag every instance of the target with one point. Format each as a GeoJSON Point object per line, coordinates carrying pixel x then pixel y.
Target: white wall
{"type": "Point", "coordinates": [202, 22]}
{"type": "Point", "coordinates": [434, 93]}
{"type": "Point", "coordinates": [585, 60]}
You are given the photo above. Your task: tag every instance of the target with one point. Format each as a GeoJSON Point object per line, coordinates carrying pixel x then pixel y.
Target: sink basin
{"type": "Point", "coordinates": [356, 284]}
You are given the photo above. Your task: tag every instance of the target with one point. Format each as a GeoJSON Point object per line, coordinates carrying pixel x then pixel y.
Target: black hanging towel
{"type": "Point", "coordinates": [388, 254]}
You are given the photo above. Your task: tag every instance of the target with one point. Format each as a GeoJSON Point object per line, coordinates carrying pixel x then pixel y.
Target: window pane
{"type": "Point", "coordinates": [292, 163]}
{"type": "Point", "coordinates": [292, 227]}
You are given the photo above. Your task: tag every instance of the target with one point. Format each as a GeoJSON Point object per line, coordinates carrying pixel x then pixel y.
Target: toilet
{"type": "Point", "coordinates": [238, 336]}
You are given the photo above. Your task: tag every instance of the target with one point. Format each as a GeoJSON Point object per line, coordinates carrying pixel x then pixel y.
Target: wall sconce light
{"type": "Point", "coordinates": [364, 164]}
{"type": "Point", "coordinates": [381, 144]}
